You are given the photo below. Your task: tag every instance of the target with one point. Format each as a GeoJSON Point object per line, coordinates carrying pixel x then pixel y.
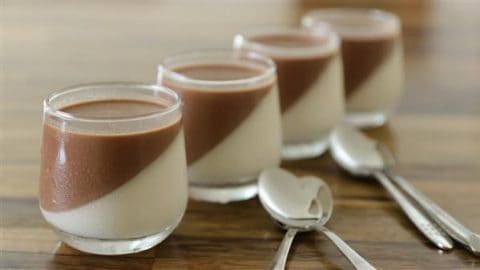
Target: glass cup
{"type": "Point", "coordinates": [310, 83]}
{"type": "Point", "coordinates": [113, 173]}
{"type": "Point", "coordinates": [231, 119]}
{"type": "Point", "coordinates": [372, 60]}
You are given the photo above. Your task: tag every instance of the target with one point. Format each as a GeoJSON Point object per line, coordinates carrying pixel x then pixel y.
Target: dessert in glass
{"type": "Point", "coordinates": [231, 119]}
{"type": "Point", "coordinates": [113, 172]}
{"type": "Point", "coordinates": [372, 60]}
{"type": "Point", "coordinates": [310, 82]}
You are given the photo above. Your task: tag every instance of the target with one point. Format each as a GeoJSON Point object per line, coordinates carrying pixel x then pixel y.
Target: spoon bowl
{"type": "Point", "coordinates": [307, 204]}
{"type": "Point", "coordinates": [348, 149]}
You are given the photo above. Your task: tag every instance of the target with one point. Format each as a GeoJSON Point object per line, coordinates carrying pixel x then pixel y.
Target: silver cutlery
{"type": "Point", "coordinates": [359, 155]}
{"type": "Point", "coordinates": [298, 205]}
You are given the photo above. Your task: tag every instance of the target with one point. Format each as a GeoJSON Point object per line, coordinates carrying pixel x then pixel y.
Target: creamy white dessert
{"type": "Point", "coordinates": [321, 108]}
{"type": "Point", "coordinates": [372, 57]}
{"type": "Point", "coordinates": [231, 119]}
{"type": "Point", "coordinates": [113, 176]}
{"type": "Point", "coordinates": [310, 81]}
{"type": "Point", "coordinates": [383, 89]}
{"type": "Point", "coordinates": [151, 202]}
{"type": "Point", "coordinates": [248, 143]}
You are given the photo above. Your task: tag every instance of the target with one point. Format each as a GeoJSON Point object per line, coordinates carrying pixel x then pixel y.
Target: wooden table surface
{"type": "Point", "coordinates": [47, 45]}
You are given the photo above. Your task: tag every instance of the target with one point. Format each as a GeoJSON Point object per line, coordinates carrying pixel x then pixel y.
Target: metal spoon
{"type": "Point", "coordinates": [455, 229]}
{"type": "Point", "coordinates": [359, 155]}
{"type": "Point", "coordinates": [298, 205]}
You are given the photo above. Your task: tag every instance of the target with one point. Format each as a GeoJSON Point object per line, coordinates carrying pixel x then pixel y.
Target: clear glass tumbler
{"type": "Point", "coordinates": [113, 173]}
{"type": "Point", "coordinates": [231, 118]}
{"type": "Point", "coordinates": [372, 60]}
{"type": "Point", "coordinates": [310, 82]}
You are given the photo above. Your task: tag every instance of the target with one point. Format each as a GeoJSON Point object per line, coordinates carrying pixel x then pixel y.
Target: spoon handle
{"type": "Point", "coordinates": [426, 226]}
{"type": "Point", "coordinates": [280, 259]}
{"type": "Point", "coordinates": [357, 261]}
{"type": "Point", "coordinates": [454, 228]}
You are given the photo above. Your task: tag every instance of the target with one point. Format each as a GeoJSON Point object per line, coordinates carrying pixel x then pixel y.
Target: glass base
{"type": "Point", "coordinates": [306, 150]}
{"type": "Point", "coordinates": [366, 119]}
{"type": "Point", "coordinates": [114, 246]}
{"type": "Point", "coordinates": [224, 194]}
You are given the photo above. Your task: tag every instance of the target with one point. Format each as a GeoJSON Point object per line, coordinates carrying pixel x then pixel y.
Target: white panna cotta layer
{"type": "Point", "coordinates": [384, 87]}
{"type": "Point", "coordinates": [151, 202]}
{"type": "Point", "coordinates": [319, 109]}
{"type": "Point", "coordinates": [255, 144]}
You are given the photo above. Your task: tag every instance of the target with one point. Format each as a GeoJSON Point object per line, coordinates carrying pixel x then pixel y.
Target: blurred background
{"type": "Point", "coordinates": [47, 45]}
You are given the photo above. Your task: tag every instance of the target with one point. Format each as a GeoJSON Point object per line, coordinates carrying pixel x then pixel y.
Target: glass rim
{"type": "Point", "coordinates": [48, 107]}
{"type": "Point", "coordinates": [325, 31]}
{"type": "Point", "coordinates": [270, 70]}
{"type": "Point", "coordinates": [320, 16]}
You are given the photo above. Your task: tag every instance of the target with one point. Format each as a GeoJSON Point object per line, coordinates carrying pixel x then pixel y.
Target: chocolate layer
{"type": "Point", "coordinates": [211, 115]}
{"type": "Point", "coordinates": [285, 40]}
{"type": "Point", "coordinates": [295, 74]}
{"type": "Point", "coordinates": [361, 57]}
{"type": "Point", "coordinates": [78, 168]}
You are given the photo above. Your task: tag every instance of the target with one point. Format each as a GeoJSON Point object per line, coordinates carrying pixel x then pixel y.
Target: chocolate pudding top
{"type": "Point", "coordinates": [218, 72]}
{"type": "Point", "coordinates": [112, 109]}
{"type": "Point", "coordinates": [80, 167]}
{"type": "Point", "coordinates": [354, 22]}
{"type": "Point", "coordinates": [368, 37]}
{"type": "Point", "coordinates": [300, 55]}
{"type": "Point", "coordinates": [214, 109]}
{"type": "Point", "coordinates": [289, 40]}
